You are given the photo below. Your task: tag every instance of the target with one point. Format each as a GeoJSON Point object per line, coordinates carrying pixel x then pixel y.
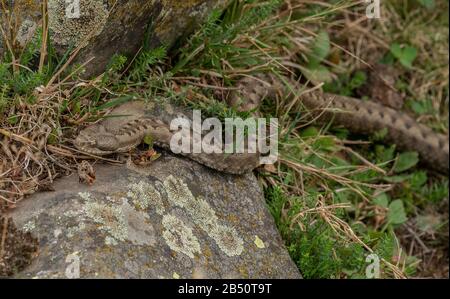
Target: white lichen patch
{"type": "Point", "coordinates": [71, 213]}
{"type": "Point", "coordinates": [111, 219]}
{"type": "Point", "coordinates": [178, 192]}
{"type": "Point", "coordinates": [57, 232]}
{"type": "Point", "coordinates": [227, 239]}
{"type": "Point", "coordinates": [72, 231]}
{"type": "Point", "coordinates": [179, 236]}
{"type": "Point", "coordinates": [26, 32]}
{"type": "Point", "coordinates": [67, 27]}
{"type": "Point", "coordinates": [29, 226]}
{"type": "Point", "coordinates": [121, 222]}
{"type": "Point", "coordinates": [201, 213]}
{"type": "Point", "coordinates": [86, 196]}
{"type": "Point", "coordinates": [200, 11]}
{"type": "Point", "coordinates": [145, 195]}
{"type": "Point", "coordinates": [129, 220]}
{"type": "Point", "coordinates": [110, 241]}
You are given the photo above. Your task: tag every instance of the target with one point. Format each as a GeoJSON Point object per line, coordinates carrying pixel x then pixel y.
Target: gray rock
{"type": "Point", "coordinates": [172, 219]}
{"type": "Point", "coordinates": [107, 27]}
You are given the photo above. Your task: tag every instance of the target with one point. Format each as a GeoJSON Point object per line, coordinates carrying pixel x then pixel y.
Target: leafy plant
{"type": "Point", "coordinates": [429, 4]}
{"type": "Point", "coordinates": [396, 214]}
{"type": "Point", "coordinates": [314, 70]}
{"type": "Point", "coordinates": [144, 63]}
{"type": "Point", "coordinates": [212, 43]}
{"type": "Point", "coordinates": [406, 161]}
{"type": "Point", "coordinates": [405, 55]}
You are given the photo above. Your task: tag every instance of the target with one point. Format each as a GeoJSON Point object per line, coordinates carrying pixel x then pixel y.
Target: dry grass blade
{"type": "Point", "coordinates": [44, 36]}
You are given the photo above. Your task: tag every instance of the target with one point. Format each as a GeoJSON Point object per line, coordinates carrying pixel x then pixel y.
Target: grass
{"type": "Point", "coordinates": [335, 197]}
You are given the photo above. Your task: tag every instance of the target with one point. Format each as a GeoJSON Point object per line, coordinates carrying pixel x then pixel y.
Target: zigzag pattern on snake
{"type": "Point", "coordinates": [120, 134]}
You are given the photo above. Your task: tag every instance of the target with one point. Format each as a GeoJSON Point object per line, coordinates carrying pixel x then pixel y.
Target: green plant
{"type": "Point", "coordinates": [405, 55]}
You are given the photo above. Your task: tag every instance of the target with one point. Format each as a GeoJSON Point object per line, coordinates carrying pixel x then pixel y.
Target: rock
{"type": "Point", "coordinates": [171, 219]}
{"type": "Point", "coordinates": [107, 27]}
{"type": "Point", "coordinates": [18, 248]}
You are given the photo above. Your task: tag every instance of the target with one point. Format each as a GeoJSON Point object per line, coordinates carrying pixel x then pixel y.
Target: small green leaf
{"type": "Point", "coordinates": [13, 119]}
{"type": "Point", "coordinates": [396, 50]}
{"type": "Point", "coordinates": [380, 134]}
{"type": "Point", "coordinates": [384, 154]}
{"type": "Point", "coordinates": [52, 138]}
{"type": "Point", "coordinates": [397, 178]}
{"type": "Point", "coordinates": [405, 55]}
{"type": "Point", "coordinates": [429, 223]}
{"type": "Point", "coordinates": [406, 161]}
{"type": "Point", "coordinates": [326, 143]}
{"type": "Point", "coordinates": [428, 4]}
{"type": "Point", "coordinates": [317, 75]}
{"type": "Point", "coordinates": [77, 107]}
{"type": "Point", "coordinates": [418, 179]}
{"type": "Point", "coordinates": [309, 132]}
{"type": "Point", "coordinates": [155, 157]}
{"type": "Point", "coordinates": [396, 214]}
{"type": "Point", "coordinates": [115, 102]}
{"type": "Point", "coordinates": [341, 133]}
{"type": "Point", "coordinates": [148, 140]}
{"type": "Point", "coordinates": [358, 80]}
{"type": "Point", "coordinates": [382, 200]}
{"type": "Point", "coordinates": [388, 59]}
{"type": "Point", "coordinates": [421, 107]}
{"type": "Point", "coordinates": [64, 106]}
{"type": "Point", "coordinates": [320, 50]}
{"type": "Point", "coordinates": [408, 57]}
{"type": "Point", "coordinates": [288, 178]}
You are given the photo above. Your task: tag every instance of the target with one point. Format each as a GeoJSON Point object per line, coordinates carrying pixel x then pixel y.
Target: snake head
{"type": "Point", "coordinates": [96, 140]}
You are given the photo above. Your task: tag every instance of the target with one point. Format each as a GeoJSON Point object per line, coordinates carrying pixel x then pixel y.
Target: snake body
{"type": "Point", "coordinates": [369, 118]}
{"type": "Point", "coordinates": [357, 116]}
{"type": "Point", "coordinates": [139, 119]}
{"type": "Point", "coordinates": [120, 134]}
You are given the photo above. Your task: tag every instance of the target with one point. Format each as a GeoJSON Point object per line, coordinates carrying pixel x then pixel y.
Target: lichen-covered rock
{"type": "Point", "coordinates": [107, 27]}
{"type": "Point", "coordinates": [172, 219]}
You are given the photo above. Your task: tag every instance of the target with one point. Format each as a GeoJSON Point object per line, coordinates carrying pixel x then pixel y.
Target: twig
{"type": "Point", "coordinates": [5, 229]}
{"type": "Point", "coordinates": [365, 161]}
{"type": "Point", "coordinates": [44, 36]}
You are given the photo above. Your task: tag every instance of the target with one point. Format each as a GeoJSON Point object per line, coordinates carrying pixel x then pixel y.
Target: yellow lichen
{"type": "Point", "coordinates": [259, 243]}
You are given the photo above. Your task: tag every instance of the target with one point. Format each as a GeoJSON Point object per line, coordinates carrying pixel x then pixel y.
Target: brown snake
{"type": "Point", "coordinates": [120, 134]}
{"type": "Point", "coordinates": [139, 119]}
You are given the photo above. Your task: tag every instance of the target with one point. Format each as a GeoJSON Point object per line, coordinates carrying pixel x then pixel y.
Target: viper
{"type": "Point", "coordinates": [138, 119]}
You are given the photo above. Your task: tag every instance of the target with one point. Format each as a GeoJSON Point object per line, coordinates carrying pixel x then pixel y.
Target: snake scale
{"type": "Point", "coordinates": [138, 119]}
